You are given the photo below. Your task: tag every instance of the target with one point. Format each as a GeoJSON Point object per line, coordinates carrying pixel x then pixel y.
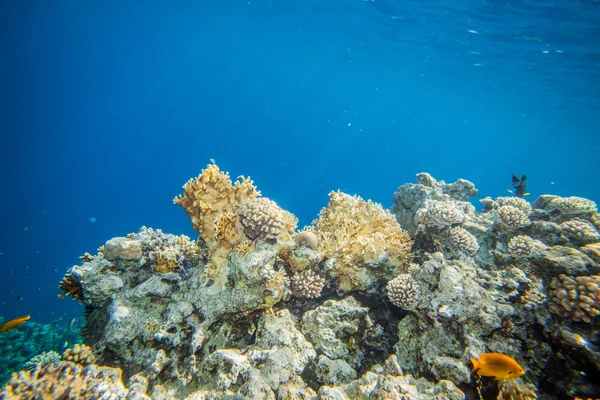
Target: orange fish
{"type": "Point", "coordinates": [13, 323]}
{"type": "Point", "coordinates": [499, 366]}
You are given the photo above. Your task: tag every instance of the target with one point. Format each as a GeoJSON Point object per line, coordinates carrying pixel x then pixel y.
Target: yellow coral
{"type": "Point", "coordinates": [80, 354]}
{"type": "Point", "coordinates": [212, 202]}
{"type": "Point", "coordinates": [357, 235]}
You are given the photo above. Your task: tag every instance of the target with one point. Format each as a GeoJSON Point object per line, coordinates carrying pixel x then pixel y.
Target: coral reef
{"type": "Point", "coordinates": [402, 291]}
{"type": "Point", "coordinates": [72, 381]}
{"type": "Point", "coordinates": [364, 304]}
{"type": "Point", "coordinates": [362, 241]}
{"type": "Point", "coordinates": [45, 358]}
{"type": "Point", "coordinates": [21, 345]}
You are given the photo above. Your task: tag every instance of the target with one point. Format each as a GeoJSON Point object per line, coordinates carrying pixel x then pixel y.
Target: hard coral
{"type": "Point", "coordinates": [403, 292]}
{"type": "Point", "coordinates": [80, 354]}
{"type": "Point", "coordinates": [45, 358]}
{"type": "Point", "coordinates": [464, 241]}
{"type": "Point", "coordinates": [512, 217]}
{"type": "Point", "coordinates": [262, 219]}
{"type": "Point", "coordinates": [358, 235]}
{"type": "Point", "coordinates": [68, 380]}
{"type": "Point", "coordinates": [573, 205]}
{"type": "Point", "coordinates": [576, 297]}
{"type": "Point", "coordinates": [212, 202]}
{"type": "Point", "coordinates": [439, 214]}
{"type": "Point", "coordinates": [520, 247]}
{"type": "Point", "coordinates": [71, 287]}
{"type": "Point", "coordinates": [307, 284]}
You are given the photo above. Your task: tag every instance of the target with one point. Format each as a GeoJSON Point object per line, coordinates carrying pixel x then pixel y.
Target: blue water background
{"type": "Point", "coordinates": [108, 108]}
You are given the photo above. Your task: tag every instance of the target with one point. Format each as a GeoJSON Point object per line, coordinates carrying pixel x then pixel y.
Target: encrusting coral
{"type": "Point", "coordinates": [362, 240]}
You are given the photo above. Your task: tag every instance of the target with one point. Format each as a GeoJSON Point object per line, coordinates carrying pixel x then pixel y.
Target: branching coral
{"type": "Point", "coordinates": [357, 235]}
{"type": "Point", "coordinates": [403, 292]}
{"type": "Point", "coordinates": [439, 214]}
{"type": "Point", "coordinates": [512, 217]}
{"type": "Point", "coordinates": [43, 359]}
{"type": "Point", "coordinates": [307, 284]}
{"type": "Point", "coordinates": [520, 247]}
{"type": "Point", "coordinates": [262, 219]}
{"type": "Point", "coordinates": [167, 252]}
{"type": "Point", "coordinates": [580, 230]}
{"type": "Point", "coordinates": [573, 205]}
{"type": "Point", "coordinates": [69, 380]}
{"type": "Point", "coordinates": [80, 354]}
{"type": "Point", "coordinates": [71, 287]}
{"type": "Point", "coordinates": [575, 297]}
{"type": "Point", "coordinates": [463, 240]}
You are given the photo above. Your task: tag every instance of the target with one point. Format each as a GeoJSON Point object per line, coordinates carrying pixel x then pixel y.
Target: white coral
{"type": "Point", "coordinates": [440, 214]}
{"type": "Point", "coordinates": [464, 240]}
{"type": "Point", "coordinates": [512, 217]}
{"type": "Point", "coordinates": [308, 284]}
{"type": "Point", "coordinates": [520, 246]}
{"type": "Point", "coordinates": [403, 291]}
{"type": "Point", "coordinates": [263, 219]}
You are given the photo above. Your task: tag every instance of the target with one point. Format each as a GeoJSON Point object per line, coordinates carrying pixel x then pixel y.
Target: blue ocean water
{"type": "Point", "coordinates": [108, 108]}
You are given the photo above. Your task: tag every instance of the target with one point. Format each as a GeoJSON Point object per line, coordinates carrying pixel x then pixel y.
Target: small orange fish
{"type": "Point", "coordinates": [13, 323]}
{"type": "Point", "coordinates": [499, 366]}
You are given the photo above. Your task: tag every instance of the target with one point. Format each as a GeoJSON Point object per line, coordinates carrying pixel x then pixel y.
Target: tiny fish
{"type": "Point", "coordinates": [13, 323]}
{"type": "Point", "coordinates": [499, 366]}
{"type": "Point", "coordinates": [70, 324]}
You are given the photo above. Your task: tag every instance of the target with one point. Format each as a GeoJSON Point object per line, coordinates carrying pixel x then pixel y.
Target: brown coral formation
{"type": "Point", "coordinates": [80, 354]}
{"type": "Point", "coordinates": [262, 219]}
{"type": "Point", "coordinates": [357, 234]}
{"type": "Point", "coordinates": [575, 297]}
{"type": "Point", "coordinates": [69, 380]}
{"type": "Point", "coordinates": [71, 287]}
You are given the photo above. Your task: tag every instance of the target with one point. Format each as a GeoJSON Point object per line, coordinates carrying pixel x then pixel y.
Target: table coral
{"type": "Point", "coordinates": [364, 240]}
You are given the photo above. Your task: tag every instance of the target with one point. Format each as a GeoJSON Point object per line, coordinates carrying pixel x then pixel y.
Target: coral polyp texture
{"type": "Point", "coordinates": [520, 247]}
{"type": "Point", "coordinates": [463, 240]}
{"type": "Point", "coordinates": [363, 241]}
{"type": "Point", "coordinates": [263, 219]}
{"type": "Point", "coordinates": [307, 284]}
{"type": "Point", "coordinates": [403, 292]}
{"type": "Point", "coordinates": [365, 303]}
{"type": "Point", "coordinates": [575, 297]}
{"type": "Point", "coordinates": [573, 205]}
{"type": "Point", "coordinates": [68, 380]}
{"type": "Point", "coordinates": [512, 217]}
